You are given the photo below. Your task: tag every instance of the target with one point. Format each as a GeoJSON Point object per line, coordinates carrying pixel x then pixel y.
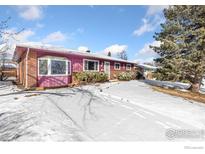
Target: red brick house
{"type": "Point", "coordinates": [41, 66]}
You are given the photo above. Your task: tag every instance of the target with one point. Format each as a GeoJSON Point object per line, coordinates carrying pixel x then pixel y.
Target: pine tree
{"type": "Point", "coordinates": [182, 49]}
{"type": "Point", "coordinates": [109, 54]}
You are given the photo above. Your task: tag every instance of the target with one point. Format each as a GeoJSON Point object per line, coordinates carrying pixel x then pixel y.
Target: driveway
{"type": "Point", "coordinates": [118, 111]}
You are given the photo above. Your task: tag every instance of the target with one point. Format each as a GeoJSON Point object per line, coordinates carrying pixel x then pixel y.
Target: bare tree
{"type": "Point", "coordinates": [122, 55]}
{"type": "Point", "coordinates": [5, 37]}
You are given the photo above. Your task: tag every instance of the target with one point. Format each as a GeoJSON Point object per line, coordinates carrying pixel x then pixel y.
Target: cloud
{"type": "Point", "coordinates": [149, 25]}
{"type": "Point", "coordinates": [83, 48]}
{"type": "Point", "coordinates": [10, 40]}
{"type": "Point", "coordinates": [152, 20]}
{"type": "Point", "coordinates": [20, 37]}
{"type": "Point", "coordinates": [146, 54]}
{"type": "Point", "coordinates": [154, 9]}
{"type": "Point", "coordinates": [146, 27]}
{"type": "Point", "coordinates": [54, 37]}
{"type": "Point", "coordinates": [30, 12]}
{"type": "Point", "coordinates": [24, 36]}
{"type": "Point", "coordinates": [115, 49]}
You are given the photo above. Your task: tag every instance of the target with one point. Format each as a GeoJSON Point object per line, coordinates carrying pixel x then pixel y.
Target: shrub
{"type": "Point", "coordinates": [81, 76]}
{"type": "Point", "coordinates": [125, 76]}
{"type": "Point", "coordinates": [91, 77]}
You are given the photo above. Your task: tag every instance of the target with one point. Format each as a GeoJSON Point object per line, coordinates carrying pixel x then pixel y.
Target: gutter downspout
{"type": "Point", "coordinates": [27, 53]}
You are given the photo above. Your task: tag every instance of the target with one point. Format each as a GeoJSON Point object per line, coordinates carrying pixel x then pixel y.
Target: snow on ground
{"type": "Point", "coordinates": [34, 116]}
{"type": "Point", "coordinates": [118, 111]}
{"type": "Point", "coordinates": [141, 94]}
{"type": "Point", "coordinates": [175, 85]}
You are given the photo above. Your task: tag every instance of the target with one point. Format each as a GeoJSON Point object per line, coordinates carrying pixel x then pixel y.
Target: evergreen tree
{"type": "Point", "coordinates": [182, 49]}
{"type": "Point", "coordinates": [109, 54]}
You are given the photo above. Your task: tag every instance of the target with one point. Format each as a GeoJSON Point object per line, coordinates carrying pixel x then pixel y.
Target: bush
{"type": "Point", "coordinates": [125, 76]}
{"type": "Point", "coordinates": [91, 77]}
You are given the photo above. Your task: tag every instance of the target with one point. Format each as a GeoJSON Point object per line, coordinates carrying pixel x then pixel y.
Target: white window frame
{"type": "Point", "coordinates": [115, 66]}
{"type": "Point", "coordinates": [130, 67]}
{"type": "Point", "coordinates": [43, 58]}
{"type": "Point", "coordinates": [49, 59]}
{"type": "Point", "coordinates": [92, 61]}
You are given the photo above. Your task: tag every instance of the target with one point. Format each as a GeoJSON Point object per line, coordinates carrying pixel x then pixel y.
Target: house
{"type": "Point", "coordinates": [47, 66]}
{"type": "Point", "coordinates": [8, 69]}
{"type": "Point", "coordinates": [147, 70]}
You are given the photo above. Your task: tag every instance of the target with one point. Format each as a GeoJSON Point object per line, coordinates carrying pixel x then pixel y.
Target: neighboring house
{"type": "Point", "coordinates": [202, 86]}
{"type": "Point", "coordinates": [147, 70]}
{"type": "Point", "coordinates": [8, 69]}
{"type": "Point", "coordinates": [41, 66]}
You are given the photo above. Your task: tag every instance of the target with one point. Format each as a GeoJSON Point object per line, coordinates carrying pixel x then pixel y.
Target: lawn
{"type": "Point", "coordinates": [186, 95]}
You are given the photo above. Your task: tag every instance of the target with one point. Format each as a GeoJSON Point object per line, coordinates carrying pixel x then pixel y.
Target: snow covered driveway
{"type": "Point", "coordinates": [124, 111]}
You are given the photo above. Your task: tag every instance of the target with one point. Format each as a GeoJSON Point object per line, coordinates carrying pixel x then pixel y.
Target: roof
{"type": "Point", "coordinates": [7, 63]}
{"type": "Point", "coordinates": [54, 49]}
{"type": "Point", "coordinates": [147, 66]}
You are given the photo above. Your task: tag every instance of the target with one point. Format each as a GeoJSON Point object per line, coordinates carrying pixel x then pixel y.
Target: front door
{"type": "Point", "coordinates": [107, 68]}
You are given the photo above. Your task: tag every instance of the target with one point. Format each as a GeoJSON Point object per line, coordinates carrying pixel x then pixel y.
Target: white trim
{"type": "Point", "coordinates": [117, 68]}
{"type": "Point", "coordinates": [39, 65]}
{"type": "Point", "coordinates": [49, 59]}
{"type": "Point", "coordinates": [129, 68]}
{"type": "Point", "coordinates": [27, 52]}
{"type": "Point", "coordinates": [92, 61]}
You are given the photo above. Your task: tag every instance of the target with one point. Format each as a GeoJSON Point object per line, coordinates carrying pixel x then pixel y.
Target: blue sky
{"type": "Point", "coordinates": [98, 28]}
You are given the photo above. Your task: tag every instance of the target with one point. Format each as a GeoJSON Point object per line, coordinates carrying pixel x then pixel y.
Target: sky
{"type": "Point", "coordinates": [97, 28]}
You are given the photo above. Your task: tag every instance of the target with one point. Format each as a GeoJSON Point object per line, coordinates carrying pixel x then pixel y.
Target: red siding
{"type": "Point", "coordinates": [53, 81]}
{"type": "Point", "coordinates": [76, 66]}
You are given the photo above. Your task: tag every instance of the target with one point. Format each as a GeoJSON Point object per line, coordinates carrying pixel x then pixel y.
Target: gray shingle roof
{"type": "Point", "coordinates": [55, 49]}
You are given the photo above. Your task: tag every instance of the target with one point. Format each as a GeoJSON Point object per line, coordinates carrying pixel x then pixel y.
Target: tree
{"type": "Point", "coordinates": [109, 54]}
{"type": "Point", "coordinates": [122, 55]}
{"type": "Point", "coordinates": [5, 37]}
{"type": "Point", "coordinates": [182, 48]}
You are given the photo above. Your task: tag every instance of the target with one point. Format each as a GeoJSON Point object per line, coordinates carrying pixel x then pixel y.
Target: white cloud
{"type": "Point", "coordinates": [83, 48]}
{"type": "Point", "coordinates": [148, 25]}
{"type": "Point", "coordinates": [30, 12]}
{"type": "Point", "coordinates": [152, 19]}
{"type": "Point", "coordinates": [115, 49]}
{"type": "Point", "coordinates": [23, 36]}
{"type": "Point", "coordinates": [146, 54]}
{"type": "Point", "coordinates": [154, 9]}
{"type": "Point", "coordinates": [54, 37]}
{"type": "Point", "coordinates": [11, 37]}
{"type": "Point", "coordinates": [19, 37]}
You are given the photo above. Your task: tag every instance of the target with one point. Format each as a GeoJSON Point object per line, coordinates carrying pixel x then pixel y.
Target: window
{"type": "Point", "coordinates": [54, 66]}
{"type": "Point", "coordinates": [58, 67]}
{"type": "Point", "coordinates": [43, 66]}
{"type": "Point", "coordinates": [128, 67]}
{"type": "Point", "coordinates": [117, 66]}
{"type": "Point", "coordinates": [91, 65]}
